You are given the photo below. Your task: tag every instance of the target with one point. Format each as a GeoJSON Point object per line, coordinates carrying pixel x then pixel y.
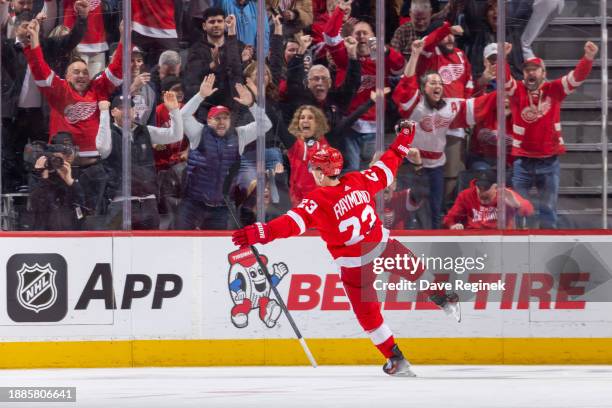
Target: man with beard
{"type": "Point", "coordinates": [536, 125]}
{"type": "Point", "coordinates": [9, 10]}
{"type": "Point", "coordinates": [214, 148]}
{"type": "Point", "coordinates": [216, 53]}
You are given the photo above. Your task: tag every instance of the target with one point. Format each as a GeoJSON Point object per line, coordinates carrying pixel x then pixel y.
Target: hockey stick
{"type": "Point", "coordinates": [264, 268]}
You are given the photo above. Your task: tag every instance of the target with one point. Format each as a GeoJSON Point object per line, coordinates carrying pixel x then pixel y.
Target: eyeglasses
{"type": "Point", "coordinates": [318, 79]}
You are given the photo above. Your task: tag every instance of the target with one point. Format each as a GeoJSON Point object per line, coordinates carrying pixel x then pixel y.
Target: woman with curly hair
{"type": "Point", "coordinates": [311, 132]}
{"type": "Point", "coordinates": [308, 127]}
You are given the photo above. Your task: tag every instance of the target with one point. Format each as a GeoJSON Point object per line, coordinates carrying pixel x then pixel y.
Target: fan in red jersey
{"type": "Point", "coordinates": [154, 27]}
{"type": "Point", "coordinates": [476, 206]}
{"type": "Point", "coordinates": [93, 45]}
{"type": "Point", "coordinates": [342, 209]}
{"type": "Point", "coordinates": [538, 142]}
{"type": "Point", "coordinates": [73, 101]}
{"type": "Point", "coordinates": [359, 141]}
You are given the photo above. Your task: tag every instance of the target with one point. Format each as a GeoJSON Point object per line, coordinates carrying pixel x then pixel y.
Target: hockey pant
{"type": "Point", "coordinates": [358, 284]}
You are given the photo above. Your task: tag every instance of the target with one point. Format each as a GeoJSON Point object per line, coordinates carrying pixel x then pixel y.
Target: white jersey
{"type": "Point", "coordinates": [433, 123]}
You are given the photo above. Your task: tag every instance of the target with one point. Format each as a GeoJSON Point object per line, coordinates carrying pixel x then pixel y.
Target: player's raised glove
{"type": "Point", "coordinates": [405, 130]}
{"type": "Point", "coordinates": [258, 233]}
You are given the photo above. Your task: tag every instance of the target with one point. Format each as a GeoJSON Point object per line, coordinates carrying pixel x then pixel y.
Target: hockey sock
{"type": "Point", "coordinates": [386, 347]}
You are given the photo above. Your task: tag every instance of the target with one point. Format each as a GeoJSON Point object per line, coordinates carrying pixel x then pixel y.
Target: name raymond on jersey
{"type": "Point", "coordinates": [350, 201]}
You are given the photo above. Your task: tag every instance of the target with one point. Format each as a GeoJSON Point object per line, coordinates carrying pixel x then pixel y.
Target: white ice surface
{"type": "Point", "coordinates": [363, 386]}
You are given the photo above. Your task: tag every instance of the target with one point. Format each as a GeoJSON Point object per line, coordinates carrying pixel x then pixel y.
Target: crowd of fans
{"type": "Point", "coordinates": [193, 108]}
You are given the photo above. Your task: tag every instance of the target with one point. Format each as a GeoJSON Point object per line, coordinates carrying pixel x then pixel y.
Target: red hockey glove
{"type": "Point", "coordinates": [405, 130]}
{"type": "Point", "coordinates": [258, 233]}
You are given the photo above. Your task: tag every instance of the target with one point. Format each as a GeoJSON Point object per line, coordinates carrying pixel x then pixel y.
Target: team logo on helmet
{"type": "Point", "coordinates": [328, 160]}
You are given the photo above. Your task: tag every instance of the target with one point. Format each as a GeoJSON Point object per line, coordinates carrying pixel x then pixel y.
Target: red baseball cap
{"type": "Point", "coordinates": [534, 61]}
{"type": "Point", "coordinates": [217, 110]}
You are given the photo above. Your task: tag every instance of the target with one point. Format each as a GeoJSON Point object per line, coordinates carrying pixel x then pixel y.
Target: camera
{"type": "Point", "coordinates": [277, 12]}
{"type": "Point", "coordinates": [35, 150]}
{"type": "Point", "coordinates": [54, 162]}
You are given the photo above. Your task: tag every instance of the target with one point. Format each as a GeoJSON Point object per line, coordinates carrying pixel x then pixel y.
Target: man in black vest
{"type": "Point", "coordinates": [143, 178]}
{"type": "Point", "coordinates": [214, 148]}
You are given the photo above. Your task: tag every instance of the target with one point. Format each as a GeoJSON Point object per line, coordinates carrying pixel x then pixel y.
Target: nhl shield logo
{"type": "Point", "coordinates": [37, 290]}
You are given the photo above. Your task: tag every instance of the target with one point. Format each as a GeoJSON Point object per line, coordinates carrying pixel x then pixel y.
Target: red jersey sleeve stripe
{"type": "Point", "coordinates": [332, 41]}
{"type": "Point", "coordinates": [408, 106]}
{"type": "Point", "coordinates": [386, 170]}
{"type": "Point", "coordinates": [298, 220]}
{"type": "Point", "coordinates": [469, 114]}
{"type": "Point", "coordinates": [46, 83]}
{"type": "Point", "coordinates": [114, 80]}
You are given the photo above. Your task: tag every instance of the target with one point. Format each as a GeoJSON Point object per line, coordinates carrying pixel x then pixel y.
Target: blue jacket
{"type": "Point", "coordinates": [208, 166]}
{"type": "Point", "coordinates": [246, 21]}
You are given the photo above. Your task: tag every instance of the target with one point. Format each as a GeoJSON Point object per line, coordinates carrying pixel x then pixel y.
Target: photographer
{"type": "Point", "coordinates": [56, 197]}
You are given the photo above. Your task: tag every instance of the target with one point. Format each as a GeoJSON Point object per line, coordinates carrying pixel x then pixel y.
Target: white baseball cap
{"type": "Point", "coordinates": [490, 49]}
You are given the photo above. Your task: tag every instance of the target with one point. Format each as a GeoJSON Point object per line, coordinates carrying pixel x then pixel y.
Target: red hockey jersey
{"type": "Point", "coordinates": [454, 68]}
{"type": "Point", "coordinates": [154, 18]}
{"type": "Point", "coordinates": [536, 116]}
{"type": "Point", "coordinates": [71, 111]}
{"type": "Point", "coordinates": [484, 137]}
{"type": "Point", "coordinates": [301, 181]}
{"type": "Point", "coordinates": [94, 40]}
{"type": "Point", "coordinates": [167, 155]}
{"type": "Point", "coordinates": [394, 65]}
{"type": "Point", "coordinates": [469, 211]}
{"type": "Point", "coordinates": [345, 214]}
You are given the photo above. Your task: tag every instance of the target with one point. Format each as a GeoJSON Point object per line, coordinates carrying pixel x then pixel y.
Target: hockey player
{"type": "Point", "coordinates": [342, 209]}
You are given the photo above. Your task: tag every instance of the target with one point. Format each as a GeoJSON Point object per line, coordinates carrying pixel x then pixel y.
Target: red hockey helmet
{"type": "Point", "coordinates": [328, 160]}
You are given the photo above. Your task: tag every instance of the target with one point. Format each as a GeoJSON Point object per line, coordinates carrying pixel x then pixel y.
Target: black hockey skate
{"type": "Point", "coordinates": [448, 302]}
{"type": "Point", "coordinates": [398, 366]}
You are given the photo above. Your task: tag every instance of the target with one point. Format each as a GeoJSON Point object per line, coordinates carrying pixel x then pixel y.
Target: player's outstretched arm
{"type": "Point", "coordinates": [382, 173]}
{"type": "Point", "coordinates": [295, 222]}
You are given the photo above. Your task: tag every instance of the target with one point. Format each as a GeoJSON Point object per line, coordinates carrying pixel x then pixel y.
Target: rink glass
{"type": "Point", "coordinates": [583, 170]}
